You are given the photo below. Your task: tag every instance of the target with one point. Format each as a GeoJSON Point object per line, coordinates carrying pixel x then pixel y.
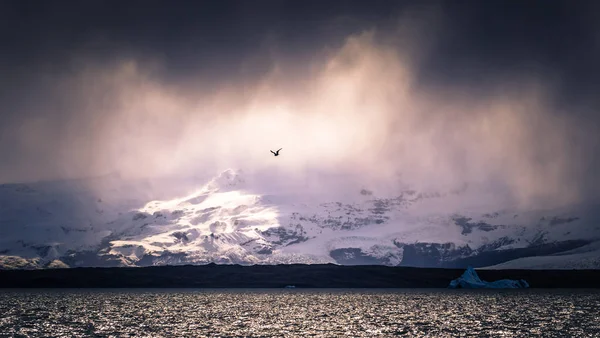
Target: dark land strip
{"type": "Point", "coordinates": [278, 276]}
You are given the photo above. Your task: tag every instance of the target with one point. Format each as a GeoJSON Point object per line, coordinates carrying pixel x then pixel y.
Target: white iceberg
{"type": "Point", "coordinates": [470, 280]}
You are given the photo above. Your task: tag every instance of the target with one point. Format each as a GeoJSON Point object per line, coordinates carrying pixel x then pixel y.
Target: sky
{"type": "Point", "coordinates": [436, 94]}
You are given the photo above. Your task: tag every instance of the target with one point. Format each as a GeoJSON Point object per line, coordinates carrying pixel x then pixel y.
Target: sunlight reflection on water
{"type": "Point", "coordinates": [288, 313]}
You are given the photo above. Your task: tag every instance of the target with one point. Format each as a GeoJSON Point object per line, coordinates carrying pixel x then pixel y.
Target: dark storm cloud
{"type": "Point", "coordinates": [479, 42]}
{"type": "Point", "coordinates": [488, 40]}
{"type": "Point", "coordinates": [188, 36]}
{"type": "Point", "coordinates": [498, 91]}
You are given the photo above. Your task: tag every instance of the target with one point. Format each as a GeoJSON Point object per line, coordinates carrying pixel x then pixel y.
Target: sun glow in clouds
{"type": "Point", "coordinates": [356, 114]}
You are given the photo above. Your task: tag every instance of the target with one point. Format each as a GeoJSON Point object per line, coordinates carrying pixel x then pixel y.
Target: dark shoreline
{"type": "Point", "coordinates": [279, 276]}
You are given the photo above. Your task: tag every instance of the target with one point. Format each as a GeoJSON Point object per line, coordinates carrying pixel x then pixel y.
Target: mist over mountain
{"type": "Point", "coordinates": [413, 133]}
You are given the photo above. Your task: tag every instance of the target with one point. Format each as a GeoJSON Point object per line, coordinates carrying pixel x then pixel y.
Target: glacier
{"type": "Point", "coordinates": [470, 280]}
{"type": "Point", "coordinates": [228, 219]}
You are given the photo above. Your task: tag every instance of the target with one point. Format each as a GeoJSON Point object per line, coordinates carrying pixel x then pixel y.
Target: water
{"type": "Point", "coordinates": [297, 312]}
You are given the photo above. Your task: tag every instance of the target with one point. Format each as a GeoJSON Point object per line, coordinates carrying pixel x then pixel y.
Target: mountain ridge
{"type": "Point", "coordinates": [119, 223]}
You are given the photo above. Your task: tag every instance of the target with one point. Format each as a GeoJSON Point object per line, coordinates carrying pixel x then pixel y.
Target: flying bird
{"type": "Point", "coordinates": [276, 153]}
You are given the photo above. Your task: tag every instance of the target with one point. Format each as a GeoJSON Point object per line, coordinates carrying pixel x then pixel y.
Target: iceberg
{"type": "Point", "coordinates": [470, 280]}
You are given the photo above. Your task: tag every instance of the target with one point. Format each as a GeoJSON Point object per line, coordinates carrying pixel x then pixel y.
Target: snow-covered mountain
{"type": "Point", "coordinates": [109, 221]}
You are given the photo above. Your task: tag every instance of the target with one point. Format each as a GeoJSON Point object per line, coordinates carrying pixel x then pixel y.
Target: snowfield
{"type": "Point", "coordinates": [110, 222]}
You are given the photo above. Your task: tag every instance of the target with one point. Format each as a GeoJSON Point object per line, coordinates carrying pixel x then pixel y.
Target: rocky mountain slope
{"type": "Point", "coordinates": [111, 222]}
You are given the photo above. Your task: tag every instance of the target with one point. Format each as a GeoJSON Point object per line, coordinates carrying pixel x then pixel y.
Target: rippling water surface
{"type": "Point", "coordinates": [297, 312]}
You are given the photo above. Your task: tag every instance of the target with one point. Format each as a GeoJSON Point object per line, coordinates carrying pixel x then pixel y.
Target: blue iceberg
{"type": "Point", "coordinates": [470, 280]}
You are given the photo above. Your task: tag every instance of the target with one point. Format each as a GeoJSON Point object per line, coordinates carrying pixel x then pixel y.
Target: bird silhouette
{"type": "Point", "coordinates": [276, 153]}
